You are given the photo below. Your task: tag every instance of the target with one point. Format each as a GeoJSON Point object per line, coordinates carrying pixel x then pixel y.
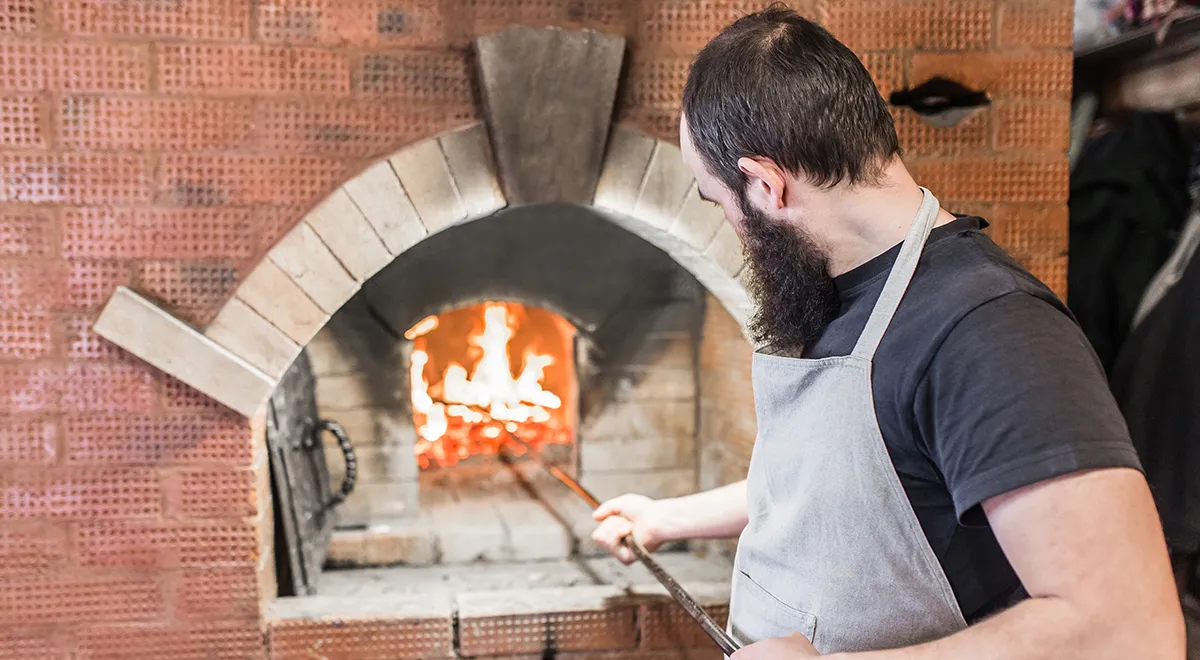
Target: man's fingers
{"type": "Point", "coordinates": [609, 534]}
{"type": "Point", "coordinates": [610, 508]}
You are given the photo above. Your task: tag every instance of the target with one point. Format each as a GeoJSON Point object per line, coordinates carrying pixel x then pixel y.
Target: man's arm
{"type": "Point", "coordinates": [716, 513]}
{"type": "Point", "coordinates": [1090, 551]}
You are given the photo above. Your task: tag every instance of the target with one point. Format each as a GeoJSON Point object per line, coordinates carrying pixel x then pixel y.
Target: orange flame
{"type": "Point", "coordinates": [471, 413]}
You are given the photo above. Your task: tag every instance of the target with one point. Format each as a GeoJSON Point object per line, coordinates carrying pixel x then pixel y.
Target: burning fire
{"type": "Point", "coordinates": [460, 414]}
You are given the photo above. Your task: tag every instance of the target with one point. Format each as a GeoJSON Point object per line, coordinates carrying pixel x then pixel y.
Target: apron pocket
{"type": "Point", "coordinates": [755, 614]}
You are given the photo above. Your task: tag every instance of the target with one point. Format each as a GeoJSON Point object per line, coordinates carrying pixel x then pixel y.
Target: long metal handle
{"type": "Point", "coordinates": [710, 627]}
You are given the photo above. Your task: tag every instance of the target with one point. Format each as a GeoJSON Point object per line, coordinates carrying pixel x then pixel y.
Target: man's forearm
{"type": "Point", "coordinates": [716, 513]}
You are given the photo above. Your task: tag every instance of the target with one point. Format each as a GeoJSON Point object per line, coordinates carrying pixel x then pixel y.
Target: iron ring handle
{"type": "Point", "coordinates": [343, 441]}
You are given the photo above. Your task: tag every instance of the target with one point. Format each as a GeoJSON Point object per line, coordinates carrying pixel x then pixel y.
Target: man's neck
{"type": "Point", "coordinates": [857, 224]}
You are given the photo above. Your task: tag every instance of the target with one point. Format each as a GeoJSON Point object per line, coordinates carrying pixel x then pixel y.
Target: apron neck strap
{"type": "Point", "coordinates": [898, 279]}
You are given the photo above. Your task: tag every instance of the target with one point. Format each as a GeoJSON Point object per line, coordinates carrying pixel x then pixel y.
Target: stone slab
{"type": "Point", "coordinates": [307, 260]}
{"type": "Point", "coordinates": [385, 204]}
{"type": "Point", "coordinates": [345, 230]}
{"type": "Point", "coordinates": [470, 160]}
{"type": "Point", "coordinates": [655, 484]}
{"type": "Point", "coordinates": [425, 175]}
{"type": "Point", "coordinates": [270, 292]}
{"type": "Point", "coordinates": [549, 129]}
{"type": "Point", "coordinates": [698, 220]}
{"type": "Point", "coordinates": [726, 250]}
{"type": "Point", "coordinates": [664, 187]}
{"type": "Point", "coordinates": [624, 169]}
{"type": "Point", "coordinates": [137, 325]}
{"type": "Point", "coordinates": [243, 331]}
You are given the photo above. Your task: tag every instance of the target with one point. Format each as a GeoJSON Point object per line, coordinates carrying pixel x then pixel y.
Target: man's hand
{"type": "Point", "coordinates": [778, 648]}
{"type": "Point", "coordinates": [622, 516]}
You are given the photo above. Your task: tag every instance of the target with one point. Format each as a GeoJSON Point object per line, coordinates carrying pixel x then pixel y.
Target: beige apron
{"type": "Point", "coordinates": [833, 549]}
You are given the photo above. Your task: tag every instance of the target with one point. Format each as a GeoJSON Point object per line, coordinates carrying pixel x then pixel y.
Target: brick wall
{"type": "Point", "coordinates": [166, 146]}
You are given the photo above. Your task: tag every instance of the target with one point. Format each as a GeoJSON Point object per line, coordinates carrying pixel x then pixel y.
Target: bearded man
{"type": "Point", "coordinates": [940, 470]}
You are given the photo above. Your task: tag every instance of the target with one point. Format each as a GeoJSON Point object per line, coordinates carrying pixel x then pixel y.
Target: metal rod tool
{"type": "Point", "coordinates": [710, 627]}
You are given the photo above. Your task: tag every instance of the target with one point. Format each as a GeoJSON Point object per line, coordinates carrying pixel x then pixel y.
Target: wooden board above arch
{"type": "Point", "coordinates": [548, 96]}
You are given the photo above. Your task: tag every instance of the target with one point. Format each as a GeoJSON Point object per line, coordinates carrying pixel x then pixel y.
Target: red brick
{"type": "Point", "coordinates": [192, 19]}
{"type": "Point", "coordinates": [491, 15]}
{"type": "Point", "coordinates": [149, 544]}
{"type": "Point", "coordinates": [30, 388]}
{"type": "Point", "coordinates": [108, 387]}
{"type": "Point", "coordinates": [360, 639]}
{"type": "Point", "coordinates": [90, 282]}
{"type": "Point", "coordinates": [1035, 23]}
{"type": "Point", "coordinates": [1051, 270]}
{"type": "Point", "coordinates": [74, 178]}
{"type": "Point", "coordinates": [80, 494]}
{"type": "Point", "coordinates": [916, 24]}
{"type": "Point", "coordinates": [28, 442]}
{"type": "Point", "coordinates": [73, 599]}
{"type": "Point", "coordinates": [362, 22]}
{"type": "Point", "coordinates": [887, 69]}
{"type": "Point", "coordinates": [180, 396]}
{"type": "Point", "coordinates": [655, 84]}
{"type": "Point", "coordinates": [140, 440]}
{"type": "Point", "coordinates": [353, 126]}
{"type": "Point", "coordinates": [1031, 75]}
{"type": "Point", "coordinates": [667, 626]}
{"type": "Point", "coordinates": [151, 233]}
{"type": "Point", "coordinates": [920, 138]}
{"type": "Point", "coordinates": [660, 124]}
{"type": "Point", "coordinates": [983, 178]}
{"type": "Point", "coordinates": [1028, 231]}
{"type": "Point", "coordinates": [215, 594]}
{"type": "Point", "coordinates": [136, 124]}
{"type": "Point", "coordinates": [608, 629]}
{"type": "Point", "coordinates": [221, 641]}
{"type": "Point", "coordinates": [216, 493]}
{"type": "Point", "coordinates": [1038, 126]}
{"type": "Point", "coordinates": [684, 26]}
{"type": "Point", "coordinates": [21, 122]}
{"type": "Point", "coordinates": [249, 69]}
{"type": "Point", "coordinates": [191, 180]}
{"type": "Point", "coordinates": [428, 77]}
{"type": "Point", "coordinates": [47, 644]}
{"type": "Point", "coordinates": [192, 291]}
{"type": "Point", "coordinates": [28, 550]}
{"type": "Point", "coordinates": [20, 15]}
{"type": "Point", "coordinates": [32, 66]}
{"type": "Point", "coordinates": [26, 335]}
{"type": "Point", "coordinates": [84, 344]}
{"type": "Point", "coordinates": [26, 233]}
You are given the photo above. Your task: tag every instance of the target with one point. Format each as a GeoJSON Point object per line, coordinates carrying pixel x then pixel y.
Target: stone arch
{"type": "Point", "coordinates": [636, 181]}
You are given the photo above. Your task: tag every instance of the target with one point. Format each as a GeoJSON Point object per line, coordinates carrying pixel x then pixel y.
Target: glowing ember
{"type": "Point", "coordinates": [459, 414]}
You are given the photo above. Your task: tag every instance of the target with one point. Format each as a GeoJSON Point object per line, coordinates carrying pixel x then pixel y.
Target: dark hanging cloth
{"type": "Point", "coordinates": [1128, 200]}
{"type": "Point", "coordinates": [1156, 380]}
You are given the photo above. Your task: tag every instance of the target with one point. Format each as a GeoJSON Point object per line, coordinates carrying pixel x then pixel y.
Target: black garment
{"type": "Point", "coordinates": [1156, 380]}
{"type": "Point", "coordinates": [1128, 200]}
{"type": "Point", "coordinates": [983, 384]}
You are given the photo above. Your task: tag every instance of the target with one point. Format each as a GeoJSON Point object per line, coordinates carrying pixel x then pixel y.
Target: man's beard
{"type": "Point", "coordinates": [790, 282]}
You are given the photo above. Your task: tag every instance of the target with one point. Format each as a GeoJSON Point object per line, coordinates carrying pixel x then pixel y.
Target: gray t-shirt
{"type": "Point", "coordinates": [983, 384]}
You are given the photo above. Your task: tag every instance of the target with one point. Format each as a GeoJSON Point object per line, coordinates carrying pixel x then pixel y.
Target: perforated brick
{"type": "Point", "coordinates": [919, 24]}
{"type": "Point", "coordinates": [30, 66]}
{"type": "Point", "coordinates": [1033, 75]}
{"type": "Point", "coordinates": [46, 644]}
{"type": "Point", "coordinates": [140, 440]}
{"type": "Point", "coordinates": [192, 180]}
{"type": "Point", "coordinates": [25, 233]}
{"type": "Point", "coordinates": [30, 388]}
{"type": "Point", "coordinates": [80, 494]}
{"type": "Point", "coordinates": [21, 122]}
{"type": "Point", "coordinates": [245, 69]}
{"type": "Point", "coordinates": [666, 626]}
{"type": "Point", "coordinates": [191, 291]}
{"type": "Point", "coordinates": [540, 620]}
{"type": "Point", "coordinates": [146, 545]}
{"type": "Point", "coordinates": [920, 138]}
{"type": "Point", "coordinates": [84, 344]}
{"type": "Point", "coordinates": [1052, 270]}
{"type": "Point", "coordinates": [25, 335]}
{"type": "Point", "coordinates": [363, 22]}
{"type": "Point", "coordinates": [358, 126]}
{"type": "Point", "coordinates": [75, 598]}
{"type": "Point", "coordinates": [655, 83]}
{"type": "Point", "coordinates": [181, 396]}
{"type": "Point", "coordinates": [602, 15]}
{"type": "Point", "coordinates": [216, 493]}
{"type": "Point", "coordinates": [192, 19]}
{"type": "Point", "coordinates": [115, 123]}
{"type": "Point", "coordinates": [31, 549]}
{"type": "Point", "coordinates": [886, 69]}
{"type": "Point", "coordinates": [28, 442]}
{"type": "Point", "coordinates": [422, 77]}
{"type": "Point", "coordinates": [660, 124]}
{"type": "Point", "coordinates": [108, 387]}
{"type": "Point", "coordinates": [1042, 126]}
{"type": "Point", "coordinates": [158, 233]}
{"type": "Point", "coordinates": [89, 282]}
{"type": "Point", "coordinates": [217, 594]}
{"type": "Point", "coordinates": [1028, 180]}
{"type": "Point", "coordinates": [224, 641]}
{"type": "Point", "coordinates": [1036, 24]}
{"type": "Point", "coordinates": [361, 638]}
{"type": "Point", "coordinates": [74, 178]}
{"type": "Point", "coordinates": [684, 26]}
{"type": "Point", "coordinates": [20, 15]}
{"type": "Point", "coordinates": [1027, 231]}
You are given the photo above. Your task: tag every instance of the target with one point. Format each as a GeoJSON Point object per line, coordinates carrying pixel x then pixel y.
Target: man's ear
{"type": "Point", "coordinates": [767, 183]}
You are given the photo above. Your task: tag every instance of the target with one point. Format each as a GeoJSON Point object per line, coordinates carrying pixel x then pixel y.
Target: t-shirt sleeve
{"type": "Point", "coordinates": [1014, 396]}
